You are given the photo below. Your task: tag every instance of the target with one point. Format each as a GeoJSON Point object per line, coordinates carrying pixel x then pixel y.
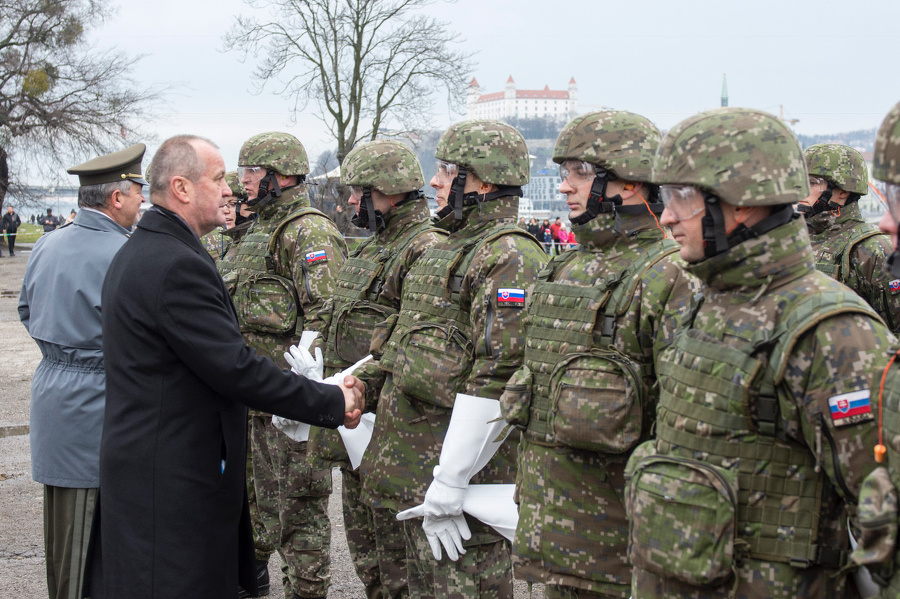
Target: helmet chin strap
{"type": "Point", "coordinates": [265, 196]}
{"type": "Point", "coordinates": [368, 217]}
{"type": "Point", "coordinates": [716, 239]}
{"type": "Point", "coordinates": [597, 202]}
{"type": "Point", "coordinates": [822, 204]}
{"type": "Point", "coordinates": [457, 193]}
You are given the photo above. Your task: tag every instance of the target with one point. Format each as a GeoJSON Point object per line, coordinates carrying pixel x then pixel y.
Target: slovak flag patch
{"type": "Point", "coordinates": [894, 285]}
{"type": "Point", "coordinates": [314, 257]}
{"type": "Point", "coordinates": [851, 408]}
{"type": "Point", "coordinates": [511, 297]}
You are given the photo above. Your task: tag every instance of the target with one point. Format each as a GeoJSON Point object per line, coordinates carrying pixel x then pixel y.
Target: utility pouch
{"type": "Point", "coordinates": [433, 362]}
{"type": "Point", "coordinates": [270, 306]}
{"type": "Point", "coordinates": [682, 518]}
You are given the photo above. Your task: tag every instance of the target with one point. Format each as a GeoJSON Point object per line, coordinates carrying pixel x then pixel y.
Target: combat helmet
{"type": "Point", "coordinates": [741, 156]}
{"type": "Point", "coordinates": [494, 151]}
{"type": "Point", "coordinates": [619, 145]}
{"type": "Point", "coordinates": [280, 154]}
{"type": "Point", "coordinates": [841, 165]}
{"type": "Point", "coordinates": [385, 165]}
{"type": "Point", "coordinates": [886, 163]}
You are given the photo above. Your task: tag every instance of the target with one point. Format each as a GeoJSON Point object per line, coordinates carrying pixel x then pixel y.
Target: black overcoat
{"type": "Point", "coordinates": [172, 517]}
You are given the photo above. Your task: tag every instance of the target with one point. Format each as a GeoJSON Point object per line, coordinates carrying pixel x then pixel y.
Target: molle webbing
{"type": "Point", "coordinates": [562, 319]}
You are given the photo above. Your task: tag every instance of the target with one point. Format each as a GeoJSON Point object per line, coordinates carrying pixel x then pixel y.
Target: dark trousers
{"type": "Point", "coordinates": [11, 242]}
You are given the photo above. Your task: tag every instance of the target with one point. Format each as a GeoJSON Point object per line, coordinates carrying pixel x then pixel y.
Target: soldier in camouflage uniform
{"type": "Point", "coordinates": [846, 247]}
{"type": "Point", "coordinates": [459, 331]}
{"type": "Point", "coordinates": [594, 321]}
{"type": "Point", "coordinates": [878, 500]}
{"type": "Point", "coordinates": [764, 392]}
{"type": "Point", "coordinates": [385, 178]}
{"type": "Point", "coordinates": [285, 269]}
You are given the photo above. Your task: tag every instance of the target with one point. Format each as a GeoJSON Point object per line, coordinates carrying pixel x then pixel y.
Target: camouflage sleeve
{"type": "Point", "coordinates": [869, 277]}
{"type": "Point", "coordinates": [313, 250]}
{"type": "Point", "coordinates": [511, 262]}
{"type": "Point", "coordinates": [828, 379]}
{"type": "Point", "coordinates": [393, 285]}
{"type": "Point", "coordinates": [373, 378]}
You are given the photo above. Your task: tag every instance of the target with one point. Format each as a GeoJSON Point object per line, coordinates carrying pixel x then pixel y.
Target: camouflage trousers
{"type": "Point", "coordinates": [755, 579]}
{"type": "Point", "coordinates": [261, 543]}
{"type": "Point", "coordinates": [552, 591]}
{"type": "Point", "coordinates": [292, 498]}
{"type": "Point", "coordinates": [376, 541]}
{"type": "Point", "coordinates": [483, 572]}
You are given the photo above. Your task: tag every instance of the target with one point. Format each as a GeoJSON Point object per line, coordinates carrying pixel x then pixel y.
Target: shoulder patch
{"type": "Point", "coordinates": [850, 408]}
{"type": "Point", "coordinates": [316, 257]}
{"type": "Point", "coordinates": [894, 285]}
{"type": "Point", "coordinates": [511, 296]}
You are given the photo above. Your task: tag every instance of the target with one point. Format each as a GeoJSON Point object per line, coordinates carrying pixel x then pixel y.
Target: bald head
{"type": "Point", "coordinates": [188, 178]}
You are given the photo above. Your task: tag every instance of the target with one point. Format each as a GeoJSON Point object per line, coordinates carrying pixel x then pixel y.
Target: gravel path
{"type": "Point", "coordinates": [21, 533]}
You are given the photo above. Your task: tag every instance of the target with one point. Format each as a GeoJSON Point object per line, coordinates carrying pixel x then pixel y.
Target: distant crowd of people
{"type": "Point", "coordinates": [555, 238]}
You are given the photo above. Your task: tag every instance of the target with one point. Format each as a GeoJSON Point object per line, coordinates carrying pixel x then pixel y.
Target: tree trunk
{"type": "Point", "coordinates": [4, 176]}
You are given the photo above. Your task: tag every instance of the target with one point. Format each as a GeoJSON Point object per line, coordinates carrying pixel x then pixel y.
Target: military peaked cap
{"type": "Point", "coordinates": [112, 168]}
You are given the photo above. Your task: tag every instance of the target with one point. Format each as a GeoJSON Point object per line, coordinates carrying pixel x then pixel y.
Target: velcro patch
{"type": "Point", "coordinates": [511, 297]}
{"type": "Point", "coordinates": [851, 408]}
{"type": "Point", "coordinates": [314, 257]}
{"type": "Point", "coordinates": [894, 285]}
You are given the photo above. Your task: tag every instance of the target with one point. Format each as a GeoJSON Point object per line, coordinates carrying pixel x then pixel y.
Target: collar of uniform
{"type": "Point", "coordinates": [292, 198]}
{"type": "Point", "coordinates": [601, 231]}
{"type": "Point", "coordinates": [238, 230]}
{"type": "Point", "coordinates": [827, 221]}
{"type": "Point", "coordinates": [491, 211]}
{"type": "Point", "coordinates": [782, 254]}
{"type": "Point", "coordinates": [400, 218]}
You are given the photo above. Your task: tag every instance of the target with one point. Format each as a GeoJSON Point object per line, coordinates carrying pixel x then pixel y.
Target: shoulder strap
{"type": "Point", "coordinates": [471, 248]}
{"type": "Point", "coordinates": [623, 294]}
{"type": "Point", "coordinates": [859, 236]}
{"type": "Point", "coordinates": [283, 223]}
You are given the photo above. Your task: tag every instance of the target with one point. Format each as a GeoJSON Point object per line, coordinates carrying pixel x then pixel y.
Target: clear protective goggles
{"type": "Point", "coordinates": [682, 201]}
{"type": "Point", "coordinates": [815, 181]}
{"type": "Point", "coordinates": [242, 170]}
{"type": "Point", "coordinates": [892, 195]}
{"type": "Point", "coordinates": [230, 205]}
{"type": "Point", "coordinates": [356, 191]}
{"type": "Point", "coordinates": [577, 172]}
{"type": "Point", "coordinates": [447, 169]}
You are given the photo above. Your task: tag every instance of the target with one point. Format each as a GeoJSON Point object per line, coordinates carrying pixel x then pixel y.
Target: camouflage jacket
{"type": "Point", "coordinates": [279, 295]}
{"type": "Point", "coordinates": [430, 356]}
{"type": "Point", "coordinates": [572, 524]}
{"type": "Point", "coordinates": [225, 262]}
{"type": "Point", "coordinates": [830, 235]}
{"type": "Point", "coordinates": [762, 431]}
{"type": "Point", "coordinates": [215, 242]}
{"type": "Point", "coordinates": [365, 294]}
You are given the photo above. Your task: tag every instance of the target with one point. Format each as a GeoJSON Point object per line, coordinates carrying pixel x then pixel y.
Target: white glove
{"type": "Point", "coordinates": [304, 364]}
{"type": "Point", "coordinates": [444, 523]}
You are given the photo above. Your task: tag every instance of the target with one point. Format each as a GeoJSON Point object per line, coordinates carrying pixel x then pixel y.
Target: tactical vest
{"type": "Point", "coordinates": [429, 348]}
{"type": "Point", "coordinates": [755, 494]}
{"type": "Point", "coordinates": [266, 300]}
{"type": "Point", "coordinates": [584, 392]}
{"type": "Point", "coordinates": [357, 302]}
{"type": "Point", "coordinates": [833, 256]}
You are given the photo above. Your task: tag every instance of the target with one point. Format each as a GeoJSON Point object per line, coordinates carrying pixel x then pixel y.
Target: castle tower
{"type": "Point", "coordinates": [472, 94]}
{"type": "Point", "coordinates": [573, 98]}
{"type": "Point", "coordinates": [724, 91]}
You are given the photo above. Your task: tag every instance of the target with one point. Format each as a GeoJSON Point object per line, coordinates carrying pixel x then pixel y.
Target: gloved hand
{"type": "Point", "coordinates": [304, 364]}
{"type": "Point", "coordinates": [446, 530]}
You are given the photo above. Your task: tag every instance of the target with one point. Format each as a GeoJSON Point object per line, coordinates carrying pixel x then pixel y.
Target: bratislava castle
{"type": "Point", "coordinates": [522, 103]}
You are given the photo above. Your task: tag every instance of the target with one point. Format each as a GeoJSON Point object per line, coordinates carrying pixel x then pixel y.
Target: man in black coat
{"type": "Point", "coordinates": [9, 225]}
{"type": "Point", "coordinates": [172, 517]}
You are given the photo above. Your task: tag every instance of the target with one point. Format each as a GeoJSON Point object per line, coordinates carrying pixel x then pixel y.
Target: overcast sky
{"type": "Point", "coordinates": [831, 64]}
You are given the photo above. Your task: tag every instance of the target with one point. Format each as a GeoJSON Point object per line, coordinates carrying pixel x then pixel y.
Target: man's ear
{"type": "Point", "coordinates": [181, 188]}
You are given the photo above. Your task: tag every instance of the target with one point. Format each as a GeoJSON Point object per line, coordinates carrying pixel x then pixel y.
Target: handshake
{"type": "Point", "coordinates": [303, 363]}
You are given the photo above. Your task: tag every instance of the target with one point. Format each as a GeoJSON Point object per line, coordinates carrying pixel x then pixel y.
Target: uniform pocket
{"type": "Point", "coordinates": [877, 522]}
{"type": "Point", "coordinates": [269, 306]}
{"type": "Point", "coordinates": [682, 518]}
{"type": "Point", "coordinates": [381, 332]}
{"type": "Point", "coordinates": [354, 326]}
{"type": "Point", "coordinates": [515, 402]}
{"type": "Point", "coordinates": [433, 362]}
{"type": "Point", "coordinates": [596, 401]}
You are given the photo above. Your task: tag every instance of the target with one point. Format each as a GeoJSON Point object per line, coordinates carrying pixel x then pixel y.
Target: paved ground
{"type": "Point", "coordinates": [21, 544]}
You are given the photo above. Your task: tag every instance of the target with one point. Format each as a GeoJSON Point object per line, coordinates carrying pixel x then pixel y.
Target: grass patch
{"type": "Point", "coordinates": [28, 233]}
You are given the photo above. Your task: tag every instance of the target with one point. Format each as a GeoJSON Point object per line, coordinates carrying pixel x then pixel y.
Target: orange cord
{"type": "Point", "coordinates": [879, 194]}
{"type": "Point", "coordinates": [651, 213]}
{"type": "Point", "coordinates": [880, 449]}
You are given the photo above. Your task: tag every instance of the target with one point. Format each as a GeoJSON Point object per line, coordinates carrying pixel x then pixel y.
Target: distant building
{"type": "Point", "coordinates": [522, 103]}
{"type": "Point", "coordinates": [543, 197]}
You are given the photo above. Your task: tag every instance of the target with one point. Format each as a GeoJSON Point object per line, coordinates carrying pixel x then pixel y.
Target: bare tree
{"type": "Point", "coordinates": [369, 65]}
{"type": "Point", "coordinates": [60, 98]}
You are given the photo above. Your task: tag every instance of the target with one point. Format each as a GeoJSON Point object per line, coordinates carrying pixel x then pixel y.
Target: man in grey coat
{"type": "Point", "coordinates": [60, 307]}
